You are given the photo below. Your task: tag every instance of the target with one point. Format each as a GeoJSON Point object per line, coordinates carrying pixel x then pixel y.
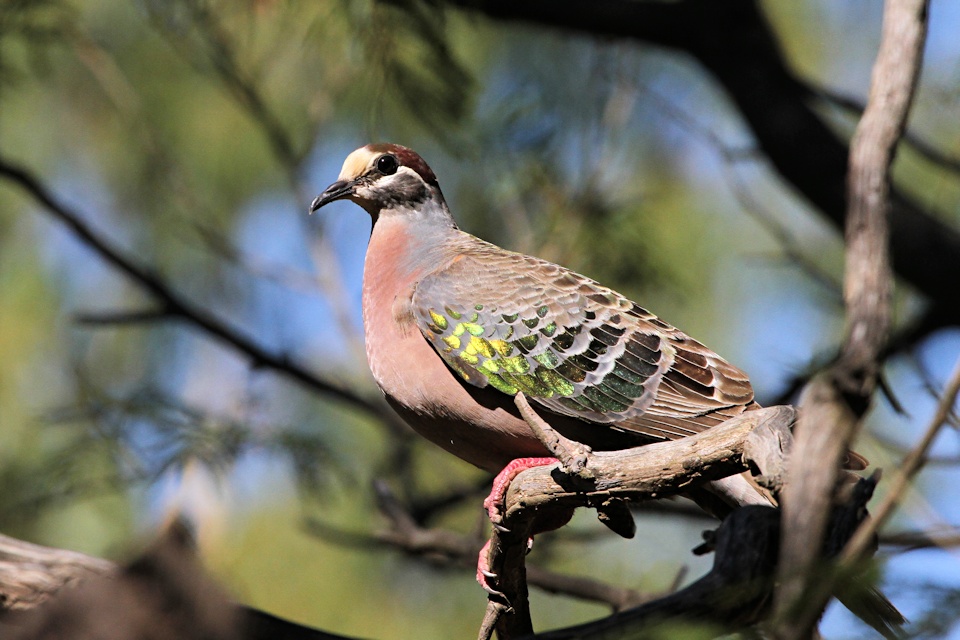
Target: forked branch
{"type": "Point", "coordinates": [644, 473]}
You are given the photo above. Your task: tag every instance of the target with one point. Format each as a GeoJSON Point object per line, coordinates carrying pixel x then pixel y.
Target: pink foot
{"type": "Point", "coordinates": [494, 502]}
{"type": "Point", "coordinates": [484, 574]}
{"type": "Point", "coordinates": [483, 569]}
{"type": "Point", "coordinates": [494, 505]}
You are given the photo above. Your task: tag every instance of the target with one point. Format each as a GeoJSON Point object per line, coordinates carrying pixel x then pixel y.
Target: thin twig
{"type": "Point", "coordinates": [490, 619]}
{"type": "Point", "coordinates": [572, 455]}
{"type": "Point", "coordinates": [122, 317]}
{"type": "Point", "coordinates": [733, 595]}
{"type": "Point", "coordinates": [913, 540]}
{"type": "Point", "coordinates": [173, 304]}
{"type": "Point", "coordinates": [909, 468]}
{"type": "Point", "coordinates": [446, 547]}
{"type": "Point", "coordinates": [923, 148]}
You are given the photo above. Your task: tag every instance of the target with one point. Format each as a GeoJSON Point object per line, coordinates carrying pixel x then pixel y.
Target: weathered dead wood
{"type": "Point", "coordinates": [572, 455]}
{"type": "Point", "coordinates": [30, 573]}
{"type": "Point", "coordinates": [648, 472]}
{"type": "Point", "coordinates": [738, 590]}
{"type": "Point", "coordinates": [734, 594]}
{"type": "Point", "coordinates": [644, 473]}
{"type": "Point", "coordinates": [766, 452]}
{"type": "Point", "coordinates": [614, 512]}
{"type": "Point", "coordinates": [164, 594]}
{"type": "Point", "coordinates": [834, 402]}
{"type": "Point", "coordinates": [653, 471]}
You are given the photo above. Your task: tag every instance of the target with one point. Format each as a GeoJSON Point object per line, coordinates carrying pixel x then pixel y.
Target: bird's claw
{"type": "Point", "coordinates": [484, 575]}
{"type": "Point", "coordinates": [494, 506]}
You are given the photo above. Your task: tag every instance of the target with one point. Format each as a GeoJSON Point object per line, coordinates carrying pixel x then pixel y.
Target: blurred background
{"type": "Point", "coordinates": [226, 379]}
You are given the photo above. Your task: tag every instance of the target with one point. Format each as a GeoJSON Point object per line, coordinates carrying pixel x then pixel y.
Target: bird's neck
{"type": "Point", "coordinates": [405, 245]}
{"type": "Point", "coordinates": [410, 242]}
{"type": "Point", "coordinates": [403, 250]}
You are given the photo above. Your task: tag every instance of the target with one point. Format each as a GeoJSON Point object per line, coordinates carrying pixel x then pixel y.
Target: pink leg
{"type": "Point", "coordinates": [494, 502]}
{"type": "Point", "coordinates": [483, 569]}
{"type": "Point", "coordinates": [494, 506]}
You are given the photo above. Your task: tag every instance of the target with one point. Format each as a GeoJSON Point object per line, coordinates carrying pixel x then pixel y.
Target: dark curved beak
{"type": "Point", "coordinates": [338, 190]}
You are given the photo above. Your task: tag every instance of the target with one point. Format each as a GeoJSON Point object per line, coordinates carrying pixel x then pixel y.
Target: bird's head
{"type": "Point", "coordinates": [381, 177]}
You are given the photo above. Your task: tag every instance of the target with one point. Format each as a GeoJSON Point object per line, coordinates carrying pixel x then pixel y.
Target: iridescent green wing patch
{"type": "Point", "coordinates": [571, 345]}
{"type": "Point", "coordinates": [485, 348]}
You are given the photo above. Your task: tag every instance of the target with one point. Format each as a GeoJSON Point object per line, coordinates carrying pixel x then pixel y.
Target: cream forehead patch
{"type": "Point", "coordinates": [356, 164]}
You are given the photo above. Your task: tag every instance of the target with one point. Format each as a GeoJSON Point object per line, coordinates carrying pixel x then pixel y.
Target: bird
{"type": "Point", "coordinates": [456, 328]}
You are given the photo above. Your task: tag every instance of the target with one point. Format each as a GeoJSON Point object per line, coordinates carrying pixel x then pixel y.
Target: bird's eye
{"type": "Point", "coordinates": [387, 165]}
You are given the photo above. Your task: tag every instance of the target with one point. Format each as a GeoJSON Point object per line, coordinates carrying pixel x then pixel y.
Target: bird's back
{"type": "Point", "coordinates": [575, 347]}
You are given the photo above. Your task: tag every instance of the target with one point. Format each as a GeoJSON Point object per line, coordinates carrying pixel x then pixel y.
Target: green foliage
{"type": "Point", "coordinates": [409, 60]}
{"type": "Point", "coordinates": [29, 29]}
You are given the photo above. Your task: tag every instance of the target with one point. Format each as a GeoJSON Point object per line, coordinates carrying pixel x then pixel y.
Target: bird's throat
{"type": "Point", "coordinates": [400, 254]}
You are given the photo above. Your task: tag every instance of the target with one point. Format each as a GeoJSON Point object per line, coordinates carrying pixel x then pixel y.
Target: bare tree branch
{"type": "Point", "coordinates": [909, 468]}
{"type": "Point", "coordinates": [572, 455]}
{"type": "Point", "coordinates": [643, 473]}
{"type": "Point", "coordinates": [913, 540]}
{"type": "Point", "coordinates": [734, 41]}
{"type": "Point", "coordinates": [921, 146]}
{"type": "Point", "coordinates": [174, 304]}
{"type": "Point", "coordinates": [165, 593]}
{"type": "Point", "coordinates": [30, 573]}
{"type": "Point", "coordinates": [734, 594]}
{"type": "Point", "coordinates": [834, 403]}
{"type": "Point", "coordinates": [446, 548]}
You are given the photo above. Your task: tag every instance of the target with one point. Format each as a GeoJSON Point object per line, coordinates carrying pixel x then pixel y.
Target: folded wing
{"type": "Point", "coordinates": [572, 346]}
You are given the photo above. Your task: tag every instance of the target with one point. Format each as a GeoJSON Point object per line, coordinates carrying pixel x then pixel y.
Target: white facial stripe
{"type": "Point", "coordinates": [357, 164]}
{"type": "Point", "coordinates": [408, 171]}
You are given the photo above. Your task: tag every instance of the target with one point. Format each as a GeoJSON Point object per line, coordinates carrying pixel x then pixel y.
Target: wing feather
{"type": "Point", "coordinates": [572, 346]}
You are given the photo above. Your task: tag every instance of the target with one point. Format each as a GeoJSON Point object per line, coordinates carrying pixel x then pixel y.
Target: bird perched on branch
{"type": "Point", "coordinates": [456, 327]}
